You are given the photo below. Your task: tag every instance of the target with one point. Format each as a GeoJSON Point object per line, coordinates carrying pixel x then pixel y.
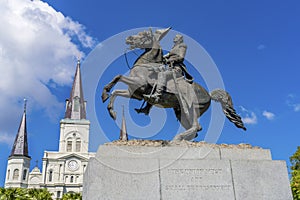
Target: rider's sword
{"type": "Point", "coordinates": [177, 88]}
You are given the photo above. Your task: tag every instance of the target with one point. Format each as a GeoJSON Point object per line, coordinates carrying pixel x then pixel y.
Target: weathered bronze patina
{"type": "Point", "coordinates": [165, 82]}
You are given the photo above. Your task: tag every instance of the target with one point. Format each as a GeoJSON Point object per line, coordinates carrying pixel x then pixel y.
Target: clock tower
{"type": "Point", "coordinates": [63, 170]}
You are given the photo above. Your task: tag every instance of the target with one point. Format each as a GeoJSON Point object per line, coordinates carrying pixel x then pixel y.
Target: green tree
{"type": "Point", "coordinates": [295, 181]}
{"type": "Point", "coordinates": [13, 194]}
{"type": "Point", "coordinates": [39, 194]}
{"type": "Point", "coordinates": [72, 196]}
{"type": "Point", "coordinates": [24, 194]}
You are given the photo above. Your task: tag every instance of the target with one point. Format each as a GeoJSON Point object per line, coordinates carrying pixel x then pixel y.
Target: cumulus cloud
{"type": "Point", "coordinates": [248, 117]}
{"type": "Point", "coordinates": [268, 115]}
{"type": "Point", "coordinates": [37, 53]}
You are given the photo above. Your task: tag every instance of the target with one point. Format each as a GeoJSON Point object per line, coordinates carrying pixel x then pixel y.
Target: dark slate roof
{"type": "Point", "coordinates": [75, 107]}
{"type": "Point", "coordinates": [20, 147]}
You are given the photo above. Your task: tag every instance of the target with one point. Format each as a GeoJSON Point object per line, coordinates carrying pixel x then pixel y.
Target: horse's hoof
{"type": "Point", "coordinates": [177, 138]}
{"type": "Point", "coordinates": [113, 115]}
{"type": "Point", "coordinates": [104, 96]}
{"type": "Point", "coordinates": [199, 128]}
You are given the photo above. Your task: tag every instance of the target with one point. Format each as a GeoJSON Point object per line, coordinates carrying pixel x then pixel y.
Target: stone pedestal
{"type": "Point", "coordinates": [158, 170]}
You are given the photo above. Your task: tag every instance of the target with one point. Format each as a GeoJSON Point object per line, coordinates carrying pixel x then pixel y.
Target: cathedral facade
{"type": "Point", "coordinates": [62, 170]}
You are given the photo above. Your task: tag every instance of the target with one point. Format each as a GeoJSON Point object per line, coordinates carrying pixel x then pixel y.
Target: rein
{"type": "Point", "coordinates": [126, 59]}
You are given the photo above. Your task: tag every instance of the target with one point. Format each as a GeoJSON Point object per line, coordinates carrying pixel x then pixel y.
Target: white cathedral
{"type": "Point", "coordinates": [62, 170]}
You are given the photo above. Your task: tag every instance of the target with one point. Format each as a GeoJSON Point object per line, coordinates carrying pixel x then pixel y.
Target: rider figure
{"type": "Point", "coordinates": [174, 59]}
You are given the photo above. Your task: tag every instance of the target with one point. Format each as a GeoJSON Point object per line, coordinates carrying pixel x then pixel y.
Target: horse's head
{"type": "Point", "coordinates": [142, 40]}
{"type": "Point", "coordinates": [146, 39]}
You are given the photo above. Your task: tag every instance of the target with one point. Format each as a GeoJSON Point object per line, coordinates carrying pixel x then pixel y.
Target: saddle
{"type": "Point", "coordinates": [172, 87]}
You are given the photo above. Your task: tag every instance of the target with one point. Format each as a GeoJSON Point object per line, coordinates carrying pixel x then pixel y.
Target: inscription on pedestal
{"type": "Point", "coordinates": [197, 178]}
{"type": "Point", "coordinates": [198, 187]}
{"type": "Point", "coordinates": [163, 176]}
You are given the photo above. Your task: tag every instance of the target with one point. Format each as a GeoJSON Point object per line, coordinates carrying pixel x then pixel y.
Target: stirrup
{"type": "Point", "coordinates": [152, 98]}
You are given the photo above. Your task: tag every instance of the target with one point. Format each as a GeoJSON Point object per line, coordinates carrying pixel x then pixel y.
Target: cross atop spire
{"type": "Point", "coordinates": [25, 102]}
{"type": "Point", "coordinates": [75, 105]}
{"type": "Point", "coordinates": [20, 147]}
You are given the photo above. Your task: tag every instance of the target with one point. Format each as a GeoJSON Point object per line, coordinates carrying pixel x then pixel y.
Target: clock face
{"type": "Point", "coordinates": [73, 165]}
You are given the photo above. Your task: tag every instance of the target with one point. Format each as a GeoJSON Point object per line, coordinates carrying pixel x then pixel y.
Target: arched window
{"type": "Point", "coordinates": [24, 174]}
{"type": "Point", "coordinates": [16, 174]}
{"type": "Point", "coordinates": [72, 179]}
{"type": "Point", "coordinates": [8, 174]}
{"type": "Point", "coordinates": [69, 146]}
{"type": "Point", "coordinates": [50, 175]}
{"type": "Point", "coordinates": [78, 145]}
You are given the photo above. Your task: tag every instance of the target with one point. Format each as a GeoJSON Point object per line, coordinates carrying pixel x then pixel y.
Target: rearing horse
{"type": "Point", "coordinates": [142, 79]}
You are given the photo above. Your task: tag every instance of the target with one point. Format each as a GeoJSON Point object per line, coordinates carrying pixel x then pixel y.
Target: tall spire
{"type": "Point", "coordinates": [75, 105]}
{"type": "Point", "coordinates": [20, 147]}
{"type": "Point", "coordinates": [123, 131]}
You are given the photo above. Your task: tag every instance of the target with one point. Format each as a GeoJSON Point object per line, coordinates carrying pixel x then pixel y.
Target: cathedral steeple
{"type": "Point", "coordinates": [20, 147]}
{"type": "Point", "coordinates": [75, 105]}
{"type": "Point", "coordinates": [123, 130]}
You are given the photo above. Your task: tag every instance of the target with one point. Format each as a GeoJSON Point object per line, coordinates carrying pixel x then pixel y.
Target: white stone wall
{"type": "Point", "coordinates": [20, 178]}
{"type": "Point", "coordinates": [63, 170]}
{"type": "Point", "coordinates": [74, 130]}
{"type": "Point", "coordinates": [67, 171]}
{"type": "Point", "coordinates": [35, 178]}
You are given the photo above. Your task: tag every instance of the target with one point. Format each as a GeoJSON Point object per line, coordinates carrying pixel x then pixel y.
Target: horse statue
{"type": "Point", "coordinates": [188, 104]}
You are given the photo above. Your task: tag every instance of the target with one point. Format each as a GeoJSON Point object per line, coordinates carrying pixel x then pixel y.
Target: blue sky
{"type": "Point", "coordinates": [254, 44]}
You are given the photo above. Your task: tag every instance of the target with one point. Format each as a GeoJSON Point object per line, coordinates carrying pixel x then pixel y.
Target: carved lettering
{"type": "Point", "coordinates": [190, 187]}
{"type": "Point", "coordinates": [195, 171]}
{"type": "Point", "coordinates": [196, 180]}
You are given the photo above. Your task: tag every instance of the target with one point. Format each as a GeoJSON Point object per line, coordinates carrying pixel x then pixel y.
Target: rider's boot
{"type": "Point", "coordinates": [145, 110]}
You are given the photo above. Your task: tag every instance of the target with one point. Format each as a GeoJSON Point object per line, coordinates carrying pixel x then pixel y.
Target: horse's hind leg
{"type": "Point", "coordinates": [190, 123]}
{"type": "Point", "coordinates": [114, 94]}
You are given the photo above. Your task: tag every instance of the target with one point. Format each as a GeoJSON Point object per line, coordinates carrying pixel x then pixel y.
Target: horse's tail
{"type": "Point", "coordinates": [224, 98]}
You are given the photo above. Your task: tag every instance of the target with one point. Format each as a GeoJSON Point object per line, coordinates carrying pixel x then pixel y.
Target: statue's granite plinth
{"type": "Point", "coordinates": [185, 170]}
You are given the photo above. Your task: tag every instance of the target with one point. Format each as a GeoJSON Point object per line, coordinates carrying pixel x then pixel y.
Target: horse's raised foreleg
{"type": "Point", "coordinates": [136, 81]}
{"type": "Point", "coordinates": [114, 94]}
{"type": "Point", "coordinates": [108, 87]}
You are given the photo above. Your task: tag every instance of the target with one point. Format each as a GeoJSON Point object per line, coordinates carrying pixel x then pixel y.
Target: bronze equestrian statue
{"type": "Point", "coordinates": [149, 80]}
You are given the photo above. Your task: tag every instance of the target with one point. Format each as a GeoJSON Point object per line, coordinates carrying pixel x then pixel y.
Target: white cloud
{"type": "Point", "coordinates": [248, 117]}
{"type": "Point", "coordinates": [261, 47]}
{"type": "Point", "coordinates": [293, 101]}
{"type": "Point", "coordinates": [296, 107]}
{"type": "Point", "coordinates": [6, 139]}
{"type": "Point", "coordinates": [268, 115]}
{"type": "Point", "coordinates": [37, 52]}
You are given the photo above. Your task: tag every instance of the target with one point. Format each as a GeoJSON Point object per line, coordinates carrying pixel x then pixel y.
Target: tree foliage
{"type": "Point", "coordinates": [72, 196]}
{"type": "Point", "coordinates": [24, 194]}
{"type": "Point", "coordinates": [295, 181]}
{"type": "Point", "coordinates": [33, 194]}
